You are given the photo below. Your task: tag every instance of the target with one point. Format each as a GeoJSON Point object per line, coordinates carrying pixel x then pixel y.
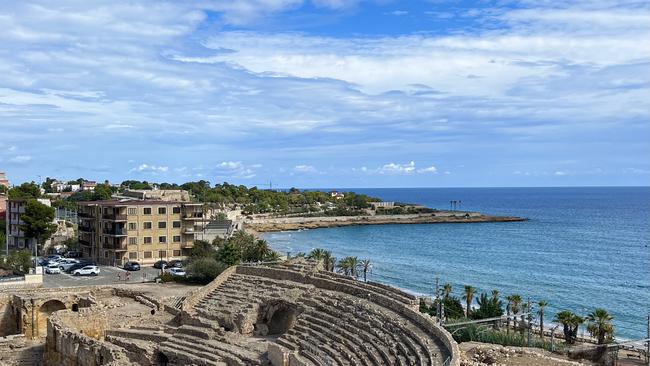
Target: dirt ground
{"type": "Point", "coordinates": [480, 354]}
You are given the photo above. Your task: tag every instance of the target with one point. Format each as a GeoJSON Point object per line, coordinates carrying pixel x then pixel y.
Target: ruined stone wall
{"type": "Point", "coordinates": [8, 317]}
{"type": "Point", "coordinates": [194, 296]}
{"type": "Point", "coordinates": [67, 346]}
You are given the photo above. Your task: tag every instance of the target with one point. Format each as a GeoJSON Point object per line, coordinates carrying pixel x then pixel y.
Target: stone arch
{"type": "Point", "coordinates": [44, 312]}
{"type": "Point", "coordinates": [277, 317]}
{"type": "Point", "coordinates": [161, 359]}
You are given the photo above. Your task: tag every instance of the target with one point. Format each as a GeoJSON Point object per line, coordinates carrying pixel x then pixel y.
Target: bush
{"type": "Point", "coordinates": [487, 334]}
{"type": "Point", "coordinates": [166, 277]}
{"type": "Point", "coordinates": [204, 270]}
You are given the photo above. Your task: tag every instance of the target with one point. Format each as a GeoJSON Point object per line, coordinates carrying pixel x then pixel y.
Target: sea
{"type": "Point", "coordinates": [582, 248]}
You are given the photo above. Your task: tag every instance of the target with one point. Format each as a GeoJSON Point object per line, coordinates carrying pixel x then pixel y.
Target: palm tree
{"type": "Point", "coordinates": [515, 307]}
{"type": "Point", "coordinates": [570, 323]}
{"type": "Point", "coordinates": [327, 260]}
{"type": "Point", "coordinates": [317, 254]}
{"type": "Point", "coordinates": [468, 296]}
{"type": "Point", "coordinates": [508, 310]}
{"type": "Point", "coordinates": [365, 268]}
{"type": "Point", "coordinates": [446, 290]}
{"type": "Point", "coordinates": [495, 294]}
{"type": "Point", "coordinates": [600, 325]}
{"type": "Point", "coordinates": [332, 264]}
{"type": "Point", "coordinates": [542, 307]}
{"type": "Point", "coordinates": [348, 266]}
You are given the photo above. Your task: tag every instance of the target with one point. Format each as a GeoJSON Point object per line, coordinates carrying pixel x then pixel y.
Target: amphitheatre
{"type": "Point", "coordinates": [288, 314]}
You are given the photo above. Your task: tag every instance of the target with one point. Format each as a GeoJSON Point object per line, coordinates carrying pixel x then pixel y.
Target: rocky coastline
{"type": "Point", "coordinates": [274, 224]}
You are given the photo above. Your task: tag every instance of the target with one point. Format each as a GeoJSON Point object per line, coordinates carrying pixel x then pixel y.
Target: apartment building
{"type": "Point", "coordinates": [15, 237]}
{"type": "Point", "coordinates": [114, 232]}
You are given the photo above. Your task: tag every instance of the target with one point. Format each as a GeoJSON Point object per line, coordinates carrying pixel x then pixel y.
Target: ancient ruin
{"type": "Point", "coordinates": [283, 314]}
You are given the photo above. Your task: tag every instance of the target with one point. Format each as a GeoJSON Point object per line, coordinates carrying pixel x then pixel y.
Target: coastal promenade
{"type": "Point", "coordinates": [271, 224]}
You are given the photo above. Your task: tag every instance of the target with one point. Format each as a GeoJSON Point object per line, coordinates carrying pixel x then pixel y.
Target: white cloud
{"type": "Point", "coordinates": [431, 169]}
{"type": "Point", "coordinates": [560, 173]}
{"type": "Point", "coordinates": [146, 168]}
{"type": "Point", "coordinates": [20, 159]}
{"type": "Point", "coordinates": [236, 169]}
{"type": "Point", "coordinates": [304, 169]}
{"type": "Point", "coordinates": [393, 168]}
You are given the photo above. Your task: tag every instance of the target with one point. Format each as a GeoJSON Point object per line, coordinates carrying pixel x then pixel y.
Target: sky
{"type": "Point", "coordinates": [327, 93]}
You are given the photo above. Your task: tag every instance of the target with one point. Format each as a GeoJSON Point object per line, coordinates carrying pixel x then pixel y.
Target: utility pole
{"type": "Point", "coordinates": [530, 323]}
{"type": "Point", "coordinates": [647, 345]}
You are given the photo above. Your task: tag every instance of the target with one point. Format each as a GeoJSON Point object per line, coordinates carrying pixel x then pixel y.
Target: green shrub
{"type": "Point", "coordinates": [204, 270]}
{"type": "Point", "coordinates": [166, 277]}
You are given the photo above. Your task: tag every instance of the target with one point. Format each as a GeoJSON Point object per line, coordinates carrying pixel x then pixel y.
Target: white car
{"type": "Point", "coordinates": [176, 272]}
{"type": "Point", "coordinates": [65, 264]}
{"type": "Point", "coordinates": [86, 271]}
{"type": "Point", "coordinates": [52, 269]}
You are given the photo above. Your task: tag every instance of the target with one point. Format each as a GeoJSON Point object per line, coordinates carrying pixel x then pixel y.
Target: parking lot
{"type": "Point", "coordinates": [107, 276]}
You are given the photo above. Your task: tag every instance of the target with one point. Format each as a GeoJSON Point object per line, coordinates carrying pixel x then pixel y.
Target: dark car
{"type": "Point", "coordinates": [73, 254]}
{"type": "Point", "coordinates": [80, 265]}
{"type": "Point", "coordinates": [132, 266]}
{"type": "Point", "coordinates": [159, 264]}
{"type": "Point", "coordinates": [176, 263]}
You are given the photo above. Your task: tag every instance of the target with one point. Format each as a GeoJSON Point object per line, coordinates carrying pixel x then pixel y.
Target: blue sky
{"type": "Point", "coordinates": [327, 93]}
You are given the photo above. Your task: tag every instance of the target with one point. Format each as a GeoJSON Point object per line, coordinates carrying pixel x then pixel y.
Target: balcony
{"type": "Point", "coordinates": [189, 230]}
{"type": "Point", "coordinates": [85, 215]}
{"type": "Point", "coordinates": [193, 216]}
{"type": "Point", "coordinates": [115, 232]}
{"type": "Point", "coordinates": [117, 244]}
{"type": "Point", "coordinates": [187, 245]}
{"type": "Point", "coordinates": [84, 242]}
{"type": "Point", "coordinates": [86, 228]}
{"type": "Point", "coordinates": [114, 217]}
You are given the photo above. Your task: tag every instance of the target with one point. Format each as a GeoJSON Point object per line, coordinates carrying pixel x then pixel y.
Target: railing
{"type": "Point", "coordinates": [86, 228]}
{"type": "Point", "coordinates": [190, 216]}
{"type": "Point", "coordinates": [121, 217]}
{"type": "Point", "coordinates": [115, 232]}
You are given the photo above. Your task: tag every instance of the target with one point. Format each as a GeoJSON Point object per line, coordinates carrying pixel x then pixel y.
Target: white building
{"type": "Point", "coordinates": [15, 237]}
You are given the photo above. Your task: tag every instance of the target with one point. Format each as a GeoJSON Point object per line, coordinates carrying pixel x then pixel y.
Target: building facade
{"type": "Point", "coordinates": [114, 232]}
{"type": "Point", "coordinates": [15, 237]}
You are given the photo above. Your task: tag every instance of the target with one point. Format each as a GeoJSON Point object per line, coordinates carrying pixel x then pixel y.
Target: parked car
{"type": "Point", "coordinates": [52, 269]}
{"type": "Point", "coordinates": [176, 272]}
{"type": "Point", "coordinates": [132, 266]}
{"type": "Point", "coordinates": [177, 263]}
{"type": "Point", "coordinates": [73, 254]}
{"type": "Point", "coordinates": [160, 264]}
{"type": "Point", "coordinates": [80, 265]}
{"type": "Point", "coordinates": [86, 271]}
{"type": "Point", "coordinates": [55, 261]}
{"type": "Point", "coordinates": [42, 261]}
{"type": "Point", "coordinates": [65, 264]}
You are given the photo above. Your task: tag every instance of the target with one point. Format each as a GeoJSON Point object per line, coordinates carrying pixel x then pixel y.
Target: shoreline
{"type": "Point", "coordinates": [264, 225]}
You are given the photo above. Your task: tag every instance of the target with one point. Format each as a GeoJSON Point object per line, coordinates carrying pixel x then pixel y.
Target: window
{"type": "Point", "coordinates": [133, 255]}
{"type": "Point", "coordinates": [133, 241]}
{"type": "Point", "coordinates": [106, 254]}
{"type": "Point", "coordinates": [176, 224]}
{"type": "Point", "coordinates": [147, 240]}
{"type": "Point", "coordinates": [146, 225]}
{"type": "Point", "coordinates": [132, 211]}
{"type": "Point", "coordinates": [146, 210]}
{"type": "Point", "coordinates": [133, 225]}
{"type": "Point", "coordinates": [147, 255]}
{"type": "Point", "coordinates": [177, 253]}
{"type": "Point", "coordinates": [177, 239]}
{"type": "Point", "coordinates": [162, 224]}
{"type": "Point", "coordinates": [162, 254]}
{"type": "Point", "coordinates": [176, 210]}
{"type": "Point", "coordinates": [162, 239]}
{"type": "Point", "coordinates": [162, 210]}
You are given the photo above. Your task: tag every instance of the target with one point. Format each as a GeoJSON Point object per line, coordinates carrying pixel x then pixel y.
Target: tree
{"type": "Point", "coordinates": [600, 325]}
{"type": "Point", "coordinates": [230, 254]}
{"type": "Point", "coordinates": [204, 270]}
{"type": "Point", "coordinates": [25, 191]}
{"type": "Point", "coordinates": [202, 249]}
{"type": "Point", "coordinates": [317, 254]}
{"type": "Point", "coordinates": [328, 261]}
{"type": "Point", "coordinates": [570, 323]}
{"type": "Point", "coordinates": [37, 221]}
{"type": "Point", "coordinates": [488, 307]}
{"type": "Point", "coordinates": [366, 267]}
{"type": "Point", "coordinates": [515, 305]}
{"type": "Point", "coordinates": [468, 295]}
{"type": "Point", "coordinates": [446, 290]}
{"type": "Point", "coordinates": [349, 265]}
{"type": "Point", "coordinates": [102, 192]}
{"type": "Point", "coordinates": [495, 294]}
{"type": "Point", "coordinates": [542, 304]}
{"type": "Point", "coordinates": [257, 251]}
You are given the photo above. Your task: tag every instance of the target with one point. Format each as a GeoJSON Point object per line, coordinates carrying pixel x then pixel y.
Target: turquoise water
{"type": "Point", "coordinates": [582, 248]}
